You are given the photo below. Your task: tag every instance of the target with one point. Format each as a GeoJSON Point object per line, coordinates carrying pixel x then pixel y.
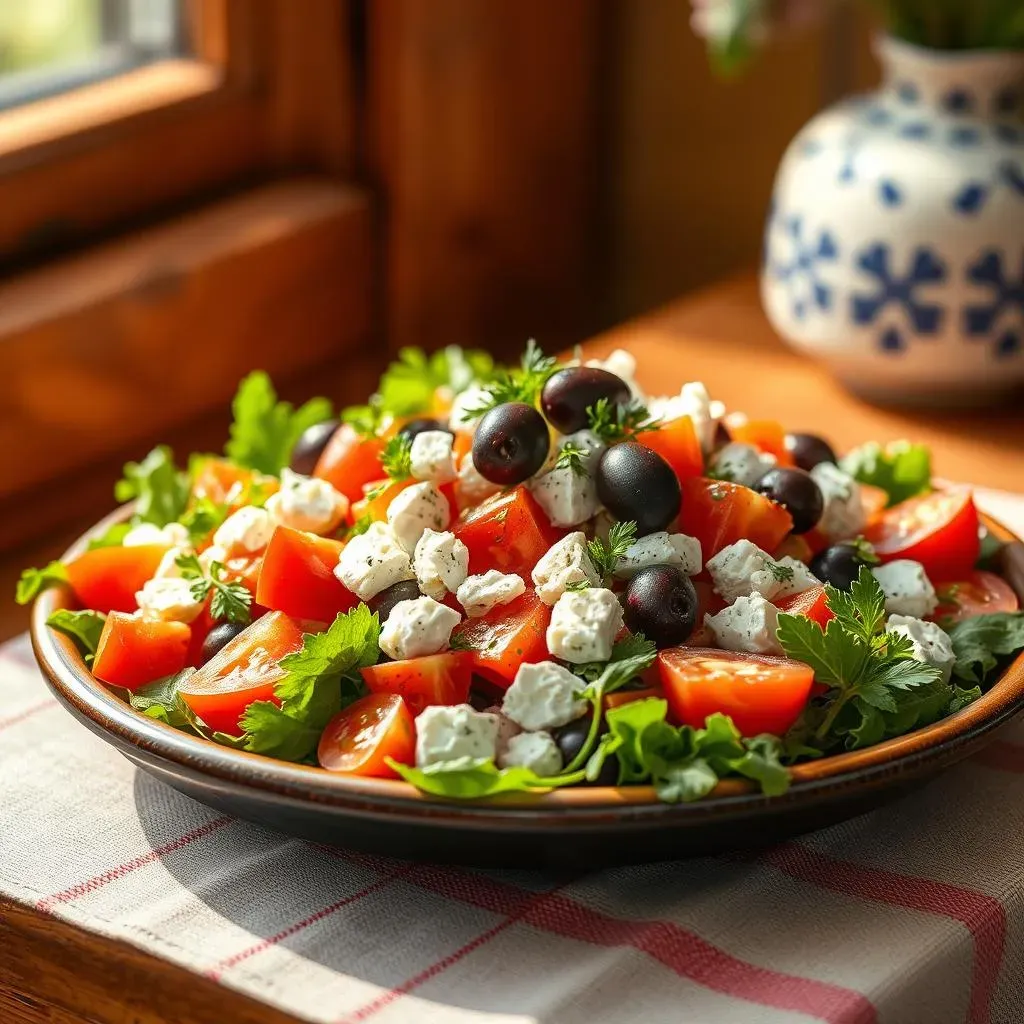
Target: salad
{"type": "Point", "coordinates": [492, 579]}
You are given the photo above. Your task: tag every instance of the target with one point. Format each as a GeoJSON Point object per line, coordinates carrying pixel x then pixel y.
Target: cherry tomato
{"type": "Point", "coordinates": [437, 679]}
{"type": "Point", "coordinates": [225, 483]}
{"type": "Point", "coordinates": [677, 443]}
{"type": "Point", "coordinates": [107, 579]}
{"type": "Point", "coordinates": [939, 530]}
{"type": "Point", "coordinates": [508, 532]}
{"type": "Point", "coordinates": [760, 692]}
{"type": "Point", "coordinates": [765, 435]}
{"type": "Point", "coordinates": [510, 635]}
{"type": "Point", "coordinates": [358, 739]}
{"type": "Point", "coordinates": [297, 576]}
{"type": "Point", "coordinates": [350, 461]}
{"type": "Point", "coordinates": [981, 593]}
{"type": "Point", "coordinates": [719, 513]}
{"type": "Point", "coordinates": [132, 652]}
{"type": "Point", "coordinates": [811, 604]}
{"type": "Point", "coordinates": [243, 671]}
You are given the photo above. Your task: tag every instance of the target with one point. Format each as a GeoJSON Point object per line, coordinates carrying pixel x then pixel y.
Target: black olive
{"type": "Point", "coordinates": [797, 492]}
{"type": "Point", "coordinates": [661, 602]}
{"type": "Point", "coordinates": [385, 601]}
{"type": "Point", "coordinates": [220, 636]}
{"type": "Point", "coordinates": [570, 738]}
{"type": "Point", "coordinates": [310, 445]}
{"type": "Point", "coordinates": [570, 392]}
{"type": "Point", "coordinates": [510, 444]}
{"type": "Point", "coordinates": [421, 426]}
{"type": "Point", "coordinates": [839, 565]}
{"type": "Point", "coordinates": [809, 450]}
{"type": "Point", "coordinates": [635, 483]}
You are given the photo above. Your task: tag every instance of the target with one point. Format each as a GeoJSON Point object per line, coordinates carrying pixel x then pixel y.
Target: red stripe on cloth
{"type": "Point", "coordinates": [1003, 756]}
{"type": "Point", "coordinates": [47, 903]}
{"type": "Point", "coordinates": [675, 947]}
{"type": "Point", "coordinates": [6, 723]}
{"type": "Point", "coordinates": [982, 915]}
{"type": "Point", "coordinates": [227, 963]}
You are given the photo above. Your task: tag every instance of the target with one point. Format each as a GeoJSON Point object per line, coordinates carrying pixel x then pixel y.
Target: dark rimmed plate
{"type": "Point", "coordinates": [583, 827]}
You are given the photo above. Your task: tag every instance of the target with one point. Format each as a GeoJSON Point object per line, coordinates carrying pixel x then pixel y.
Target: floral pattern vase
{"type": "Point", "coordinates": [894, 249]}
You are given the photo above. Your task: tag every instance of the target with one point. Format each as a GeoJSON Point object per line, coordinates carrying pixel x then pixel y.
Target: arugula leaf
{"type": "Point", "coordinates": [160, 490]}
{"type": "Point", "coordinates": [606, 554]}
{"type": "Point", "coordinates": [903, 470]}
{"type": "Point", "coordinates": [319, 680]}
{"type": "Point", "coordinates": [83, 627]}
{"type": "Point", "coordinates": [473, 778]}
{"type": "Point", "coordinates": [34, 581]}
{"type": "Point", "coordinates": [159, 699]}
{"type": "Point", "coordinates": [265, 430]}
{"type": "Point", "coordinates": [613, 423]}
{"type": "Point", "coordinates": [980, 642]}
{"type": "Point", "coordinates": [113, 538]}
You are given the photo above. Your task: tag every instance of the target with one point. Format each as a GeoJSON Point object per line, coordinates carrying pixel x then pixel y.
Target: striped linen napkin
{"type": "Point", "coordinates": [913, 914]}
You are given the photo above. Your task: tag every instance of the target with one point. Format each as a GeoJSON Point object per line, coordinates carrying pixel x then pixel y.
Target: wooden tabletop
{"type": "Point", "coordinates": [55, 973]}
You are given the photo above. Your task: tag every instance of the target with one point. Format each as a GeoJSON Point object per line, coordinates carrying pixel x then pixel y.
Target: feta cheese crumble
{"type": "Point", "coordinates": [694, 401]}
{"type": "Point", "coordinates": [453, 732]}
{"type": "Point", "coordinates": [660, 549]}
{"type": "Point", "coordinates": [471, 488]}
{"type": "Point", "coordinates": [567, 497]}
{"type": "Point", "coordinates": [564, 564]}
{"type": "Point", "coordinates": [172, 535]}
{"type": "Point", "coordinates": [931, 642]}
{"type": "Point", "coordinates": [417, 628]}
{"type": "Point", "coordinates": [544, 695]}
{"type": "Point", "coordinates": [415, 509]}
{"type": "Point", "coordinates": [844, 516]}
{"type": "Point", "coordinates": [742, 569]}
{"type": "Point", "coordinates": [907, 589]}
{"type": "Point", "coordinates": [432, 458]}
{"type": "Point", "coordinates": [441, 563]}
{"type": "Point", "coordinates": [749, 624]}
{"type": "Point", "coordinates": [168, 599]}
{"type": "Point", "coordinates": [537, 751]}
{"type": "Point", "coordinates": [584, 625]}
{"type": "Point", "coordinates": [460, 417]}
{"type": "Point", "coordinates": [371, 562]}
{"type": "Point", "coordinates": [245, 532]}
{"type": "Point", "coordinates": [741, 463]}
{"type": "Point", "coordinates": [307, 503]}
{"type": "Point", "coordinates": [623, 365]}
{"type": "Point", "coordinates": [479, 594]}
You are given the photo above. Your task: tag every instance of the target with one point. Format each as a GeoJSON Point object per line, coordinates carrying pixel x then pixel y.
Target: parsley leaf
{"type": "Point", "coordinates": [159, 700]}
{"type": "Point", "coordinates": [83, 627]}
{"type": "Point", "coordinates": [861, 611]}
{"type": "Point", "coordinates": [230, 600]}
{"type": "Point", "coordinates": [574, 458]}
{"type": "Point", "coordinates": [203, 518]}
{"type": "Point", "coordinates": [901, 469]}
{"type": "Point", "coordinates": [606, 554]}
{"type": "Point", "coordinates": [522, 384]}
{"type": "Point", "coordinates": [265, 430]}
{"type": "Point", "coordinates": [613, 423]}
{"type": "Point", "coordinates": [34, 581]}
{"type": "Point", "coordinates": [980, 643]}
{"type": "Point", "coordinates": [397, 458]}
{"type": "Point", "coordinates": [780, 573]}
{"type": "Point", "coordinates": [160, 490]}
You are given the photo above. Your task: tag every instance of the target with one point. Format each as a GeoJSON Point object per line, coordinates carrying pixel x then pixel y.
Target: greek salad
{"type": "Point", "coordinates": [492, 579]}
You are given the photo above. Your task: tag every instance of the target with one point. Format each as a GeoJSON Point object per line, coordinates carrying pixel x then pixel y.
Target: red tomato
{"type": "Point", "coordinates": [358, 739]}
{"type": "Point", "coordinates": [218, 694]}
{"type": "Point", "coordinates": [225, 483]}
{"type": "Point", "coordinates": [437, 679]}
{"type": "Point", "coordinates": [677, 443]}
{"type": "Point", "coordinates": [297, 576]}
{"type": "Point", "coordinates": [510, 635]}
{"type": "Point", "coordinates": [939, 530]}
{"type": "Point", "coordinates": [133, 652]}
{"type": "Point", "coordinates": [719, 513]}
{"type": "Point", "coordinates": [765, 435]}
{"type": "Point", "coordinates": [246, 569]}
{"type": "Point", "coordinates": [375, 502]}
{"type": "Point", "coordinates": [796, 546]}
{"type": "Point", "coordinates": [709, 603]}
{"type": "Point", "coordinates": [982, 593]}
{"type": "Point", "coordinates": [350, 461]}
{"type": "Point", "coordinates": [106, 579]}
{"type": "Point", "coordinates": [810, 604]}
{"type": "Point", "coordinates": [508, 532]}
{"type": "Point", "coordinates": [759, 692]}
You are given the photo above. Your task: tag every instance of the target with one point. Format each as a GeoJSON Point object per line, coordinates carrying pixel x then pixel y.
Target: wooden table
{"type": "Point", "coordinates": [54, 973]}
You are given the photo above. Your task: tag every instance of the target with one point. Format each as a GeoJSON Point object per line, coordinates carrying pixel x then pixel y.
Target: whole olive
{"type": "Point", "coordinates": [570, 392]}
{"type": "Point", "coordinates": [636, 483]}
{"type": "Point", "coordinates": [809, 450]}
{"type": "Point", "coordinates": [839, 565]}
{"type": "Point", "coordinates": [310, 446]}
{"type": "Point", "coordinates": [385, 601]}
{"type": "Point", "coordinates": [510, 444]}
{"type": "Point", "coordinates": [421, 426]}
{"type": "Point", "coordinates": [219, 637]}
{"type": "Point", "coordinates": [661, 602]}
{"type": "Point", "coordinates": [796, 491]}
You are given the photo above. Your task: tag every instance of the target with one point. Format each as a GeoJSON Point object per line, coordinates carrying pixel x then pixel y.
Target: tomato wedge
{"type": "Point", "coordinates": [350, 461]}
{"type": "Point", "coordinates": [508, 532]}
{"type": "Point", "coordinates": [759, 692]}
{"type": "Point", "coordinates": [511, 635]}
{"type": "Point", "coordinates": [243, 671]}
{"type": "Point", "coordinates": [437, 679]}
{"type": "Point", "coordinates": [358, 739]}
{"type": "Point", "coordinates": [106, 579]}
{"type": "Point", "coordinates": [765, 435]}
{"type": "Point", "coordinates": [981, 593]}
{"type": "Point", "coordinates": [297, 576]}
{"type": "Point", "coordinates": [132, 652]}
{"type": "Point", "coordinates": [719, 513]}
{"type": "Point", "coordinates": [939, 530]}
{"type": "Point", "coordinates": [677, 443]}
{"type": "Point", "coordinates": [811, 604]}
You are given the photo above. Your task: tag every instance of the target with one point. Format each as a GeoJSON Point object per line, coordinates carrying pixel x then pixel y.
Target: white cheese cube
{"type": "Point", "coordinates": [472, 488]}
{"type": "Point", "coordinates": [415, 509]}
{"type": "Point", "coordinates": [214, 553]}
{"type": "Point", "coordinates": [931, 642]}
{"type": "Point", "coordinates": [245, 532]}
{"type": "Point", "coordinates": [749, 624]}
{"type": "Point", "coordinates": [742, 569]}
{"type": "Point", "coordinates": [417, 628]}
{"type": "Point", "coordinates": [171, 535]}
{"type": "Point", "coordinates": [371, 562]}
{"type": "Point", "coordinates": [537, 751]}
{"type": "Point", "coordinates": [453, 732]}
{"type": "Point", "coordinates": [544, 695]}
{"type": "Point", "coordinates": [623, 365]}
{"type": "Point", "coordinates": [694, 401]}
{"type": "Point", "coordinates": [168, 567]}
{"type": "Point", "coordinates": [567, 497]}
{"type": "Point", "coordinates": [432, 457]}
{"type": "Point", "coordinates": [562, 565]}
{"type": "Point", "coordinates": [460, 417]}
{"type": "Point", "coordinates": [660, 549]}
{"type": "Point", "coordinates": [584, 625]}
{"type": "Point", "coordinates": [586, 441]}
{"type": "Point", "coordinates": [741, 463]}
{"type": "Point", "coordinates": [169, 600]}
{"type": "Point", "coordinates": [441, 563]}
{"type": "Point", "coordinates": [479, 594]}
{"type": "Point", "coordinates": [307, 503]}
{"type": "Point", "coordinates": [907, 589]}
{"type": "Point", "coordinates": [844, 516]}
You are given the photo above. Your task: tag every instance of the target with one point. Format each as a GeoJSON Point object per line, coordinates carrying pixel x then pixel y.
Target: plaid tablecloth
{"type": "Point", "coordinates": [913, 914]}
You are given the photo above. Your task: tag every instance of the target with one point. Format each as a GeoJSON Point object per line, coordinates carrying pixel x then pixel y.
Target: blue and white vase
{"type": "Point", "coordinates": [894, 250]}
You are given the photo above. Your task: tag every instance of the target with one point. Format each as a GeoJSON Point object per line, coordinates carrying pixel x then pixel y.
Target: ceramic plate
{"type": "Point", "coordinates": [581, 827]}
